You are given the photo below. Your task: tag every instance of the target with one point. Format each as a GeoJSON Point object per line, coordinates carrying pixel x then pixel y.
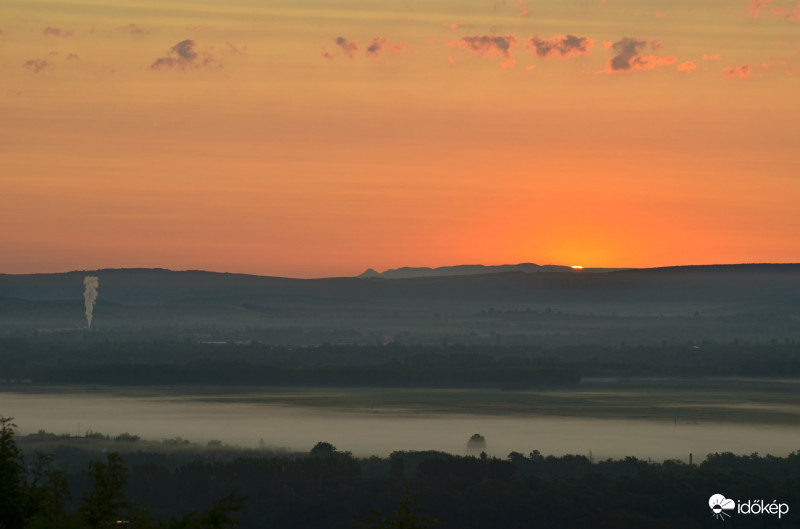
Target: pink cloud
{"type": "Point", "coordinates": [776, 64]}
{"type": "Point", "coordinates": [487, 45]}
{"type": "Point", "coordinates": [455, 25]}
{"type": "Point", "coordinates": [660, 15]}
{"type": "Point", "coordinates": [559, 46]}
{"type": "Point", "coordinates": [508, 64]}
{"type": "Point", "coordinates": [754, 7]}
{"type": "Point", "coordinates": [648, 62]}
{"type": "Point", "coordinates": [350, 47]}
{"type": "Point", "coordinates": [707, 57]}
{"type": "Point", "coordinates": [379, 46]}
{"type": "Point", "coordinates": [628, 56]}
{"type": "Point", "coordinates": [738, 72]}
{"type": "Point", "coordinates": [787, 13]}
{"type": "Point", "coordinates": [687, 66]}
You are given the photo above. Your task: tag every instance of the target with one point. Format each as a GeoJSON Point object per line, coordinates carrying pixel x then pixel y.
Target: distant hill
{"type": "Point", "coordinates": [464, 270]}
{"type": "Point", "coordinates": [751, 303]}
{"type": "Point", "coordinates": [723, 285]}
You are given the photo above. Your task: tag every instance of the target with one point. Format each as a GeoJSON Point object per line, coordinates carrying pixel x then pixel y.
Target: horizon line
{"type": "Point", "coordinates": [570, 269]}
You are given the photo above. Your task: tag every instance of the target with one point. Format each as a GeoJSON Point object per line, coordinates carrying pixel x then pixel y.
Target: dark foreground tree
{"type": "Point", "coordinates": [407, 515]}
{"type": "Point", "coordinates": [12, 478]}
{"type": "Point", "coordinates": [35, 497]}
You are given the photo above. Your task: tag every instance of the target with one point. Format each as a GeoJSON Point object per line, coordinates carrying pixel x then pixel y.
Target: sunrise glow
{"type": "Point", "coordinates": [317, 139]}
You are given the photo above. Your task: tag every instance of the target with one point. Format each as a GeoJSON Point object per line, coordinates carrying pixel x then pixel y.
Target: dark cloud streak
{"type": "Point", "coordinates": [350, 47]}
{"type": "Point", "coordinates": [559, 46]}
{"type": "Point", "coordinates": [36, 65]}
{"type": "Point", "coordinates": [487, 44]}
{"type": "Point", "coordinates": [182, 55]}
{"type": "Point", "coordinates": [56, 32]}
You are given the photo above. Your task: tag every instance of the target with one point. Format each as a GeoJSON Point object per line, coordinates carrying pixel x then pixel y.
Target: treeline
{"type": "Point", "coordinates": [97, 360]}
{"type": "Point", "coordinates": [328, 488]}
{"type": "Point", "coordinates": [449, 372]}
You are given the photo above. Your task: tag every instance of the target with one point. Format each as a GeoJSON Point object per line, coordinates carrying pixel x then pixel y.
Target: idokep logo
{"type": "Point", "coordinates": [719, 504]}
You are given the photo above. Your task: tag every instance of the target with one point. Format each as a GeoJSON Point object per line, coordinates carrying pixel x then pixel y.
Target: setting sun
{"type": "Point", "coordinates": [318, 140]}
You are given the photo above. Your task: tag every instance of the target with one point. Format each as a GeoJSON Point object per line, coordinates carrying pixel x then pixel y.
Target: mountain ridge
{"type": "Point", "coordinates": [406, 272]}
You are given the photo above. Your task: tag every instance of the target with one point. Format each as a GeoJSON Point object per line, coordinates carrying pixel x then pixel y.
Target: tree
{"type": "Point", "coordinates": [48, 494]}
{"type": "Point", "coordinates": [323, 449]}
{"type": "Point", "coordinates": [476, 443]}
{"type": "Point", "coordinates": [12, 478]}
{"type": "Point", "coordinates": [105, 503]}
{"type": "Point", "coordinates": [407, 515]}
{"type": "Point", "coordinates": [219, 516]}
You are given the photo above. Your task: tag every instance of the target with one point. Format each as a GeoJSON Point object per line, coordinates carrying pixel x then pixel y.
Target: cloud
{"type": "Point", "coordinates": [510, 63]}
{"type": "Point", "coordinates": [36, 65]}
{"type": "Point", "coordinates": [56, 32]}
{"type": "Point", "coordinates": [185, 50]}
{"type": "Point", "coordinates": [136, 30]}
{"type": "Point", "coordinates": [182, 55]}
{"type": "Point", "coordinates": [350, 47]}
{"type": "Point", "coordinates": [559, 46]}
{"type": "Point", "coordinates": [456, 25]}
{"type": "Point", "coordinates": [738, 72]}
{"type": "Point", "coordinates": [628, 56]}
{"type": "Point", "coordinates": [778, 64]}
{"type": "Point", "coordinates": [754, 7]}
{"type": "Point", "coordinates": [487, 45]}
{"type": "Point", "coordinates": [72, 56]}
{"type": "Point", "coordinates": [233, 49]}
{"type": "Point", "coordinates": [707, 57]}
{"type": "Point", "coordinates": [792, 15]}
{"type": "Point", "coordinates": [625, 49]}
{"type": "Point", "coordinates": [520, 7]}
{"type": "Point", "coordinates": [380, 46]}
{"type": "Point", "coordinates": [687, 66]}
{"type": "Point", "coordinates": [327, 55]}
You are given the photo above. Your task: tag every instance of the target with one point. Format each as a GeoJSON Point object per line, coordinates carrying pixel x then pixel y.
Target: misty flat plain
{"type": "Point", "coordinates": [658, 419]}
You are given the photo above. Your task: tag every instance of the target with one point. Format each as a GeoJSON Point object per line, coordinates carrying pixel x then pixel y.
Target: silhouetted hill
{"type": "Point", "coordinates": [724, 285]}
{"type": "Point", "coordinates": [462, 270]}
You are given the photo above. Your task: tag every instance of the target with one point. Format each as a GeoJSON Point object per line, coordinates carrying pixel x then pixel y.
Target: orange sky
{"type": "Point", "coordinates": [307, 139]}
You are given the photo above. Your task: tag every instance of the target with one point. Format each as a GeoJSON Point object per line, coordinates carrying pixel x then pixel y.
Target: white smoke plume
{"type": "Point", "coordinates": [89, 297]}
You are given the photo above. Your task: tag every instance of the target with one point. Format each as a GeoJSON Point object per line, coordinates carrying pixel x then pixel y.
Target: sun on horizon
{"type": "Point", "coordinates": [310, 140]}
